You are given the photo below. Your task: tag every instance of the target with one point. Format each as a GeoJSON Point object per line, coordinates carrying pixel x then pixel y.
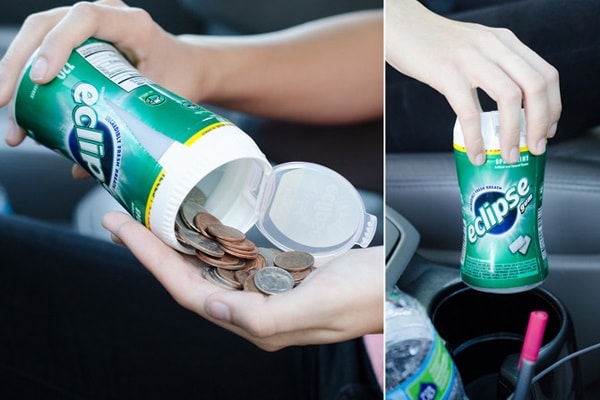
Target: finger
{"type": "Point", "coordinates": [546, 71]}
{"type": "Point", "coordinates": [77, 172]}
{"type": "Point", "coordinates": [110, 21]}
{"type": "Point", "coordinates": [462, 97]}
{"type": "Point", "coordinates": [168, 266]}
{"type": "Point", "coordinates": [31, 34]}
{"type": "Point", "coordinates": [487, 75]}
{"type": "Point", "coordinates": [14, 134]}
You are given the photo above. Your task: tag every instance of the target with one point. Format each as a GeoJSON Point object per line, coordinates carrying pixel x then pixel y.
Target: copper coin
{"type": "Point", "coordinates": [294, 260]}
{"type": "Point", "coordinates": [240, 254]}
{"type": "Point", "coordinates": [203, 219]}
{"type": "Point", "coordinates": [255, 263]}
{"type": "Point", "coordinates": [300, 275]}
{"type": "Point", "coordinates": [229, 277]}
{"type": "Point", "coordinates": [273, 280]}
{"type": "Point", "coordinates": [249, 284]}
{"type": "Point", "coordinates": [244, 245]}
{"type": "Point", "coordinates": [241, 274]}
{"type": "Point", "coordinates": [215, 278]}
{"type": "Point", "coordinates": [227, 261]}
{"type": "Point", "coordinates": [226, 233]}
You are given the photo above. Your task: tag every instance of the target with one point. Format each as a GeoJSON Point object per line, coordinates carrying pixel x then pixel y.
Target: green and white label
{"type": "Point", "coordinates": [114, 122]}
{"type": "Point", "coordinates": [503, 244]}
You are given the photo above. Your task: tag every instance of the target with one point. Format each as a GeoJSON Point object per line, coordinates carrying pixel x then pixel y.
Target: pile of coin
{"type": "Point", "coordinates": [232, 261]}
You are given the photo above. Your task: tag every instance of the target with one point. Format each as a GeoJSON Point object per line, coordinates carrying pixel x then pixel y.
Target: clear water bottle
{"type": "Point", "coordinates": [417, 363]}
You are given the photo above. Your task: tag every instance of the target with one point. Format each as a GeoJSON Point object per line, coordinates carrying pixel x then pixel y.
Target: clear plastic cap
{"type": "Point", "coordinates": [309, 207]}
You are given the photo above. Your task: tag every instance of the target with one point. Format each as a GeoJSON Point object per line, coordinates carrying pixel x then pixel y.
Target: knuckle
{"type": "Point", "coordinates": [257, 328]}
{"type": "Point", "coordinates": [84, 11]}
{"type": "Point", "coordinates": [143, 19]}
{"type": "Point", "coordinates": [510, 94]}
{"type": "Point", "coordinates": [536, 85]}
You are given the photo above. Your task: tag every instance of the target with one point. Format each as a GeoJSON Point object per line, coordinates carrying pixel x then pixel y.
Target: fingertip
{"type": "Point", "coordinates": [78, 173]}
{"type": "Point", "coordinates": [541, 146]}
{"type": "Point", "coordinates": [14, 134]}
{"type": "Point", "coordinates": [478, 159]}
{"type": "Point", "coordinates": [552, 130]}
{"type": "Point", "coordinates": [113, 220]}
{"type": "Point", "coordinates": [218, 310]}
{"type": "Point", "coordinates": [39, 69]}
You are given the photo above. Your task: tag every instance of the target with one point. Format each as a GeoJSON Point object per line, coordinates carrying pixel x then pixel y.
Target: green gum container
{"type": "Point", "coordinates": [503, 245]}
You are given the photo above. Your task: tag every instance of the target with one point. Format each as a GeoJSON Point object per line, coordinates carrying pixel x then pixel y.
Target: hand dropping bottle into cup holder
{"type": "Point", "coordinates": [417, 363]}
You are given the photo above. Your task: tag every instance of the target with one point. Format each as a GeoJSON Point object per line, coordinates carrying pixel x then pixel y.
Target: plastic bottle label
{"type": "Point", "coordinates": [434, 380]}
{"type": "Point", "coordinates": [100, 112]}
{"type": "Point", "coordinates": [503, 246]}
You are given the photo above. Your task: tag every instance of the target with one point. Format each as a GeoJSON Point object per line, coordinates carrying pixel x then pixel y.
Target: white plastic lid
{"type": "Point", "coordinates": [309, 207]}
{"type": "Point", "coordinates": [490, 130]}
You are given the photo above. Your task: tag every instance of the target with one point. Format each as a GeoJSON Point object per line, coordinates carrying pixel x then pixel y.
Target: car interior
{"type": "Point", "coordinates": [424, 218]}
{"type": "Point", "coordinates": [420, 223]}
{"type": "Point", "coordinates": [81, 204]}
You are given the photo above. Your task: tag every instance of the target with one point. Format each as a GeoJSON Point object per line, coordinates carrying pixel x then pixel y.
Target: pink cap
{"type": "Point", "coordinates": [534, 336]}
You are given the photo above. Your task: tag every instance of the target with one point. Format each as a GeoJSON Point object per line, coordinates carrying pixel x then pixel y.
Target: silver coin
{"type": "Point", "coordinates": [269, 254]}
{"type": "Point", "coordinates": [197, 241]}
{"type": "Point", "coordinates": [192, 205]}
{"type": "Point", "coordinates": [273, 280]}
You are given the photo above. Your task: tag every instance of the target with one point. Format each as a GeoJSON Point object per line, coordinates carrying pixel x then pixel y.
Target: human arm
{"type": "Point", "coordinates": [340, 300]}
{"type": "Point", "coordinates": [325, 71]}
{"type": "Point", "coordinates": [456, 58]}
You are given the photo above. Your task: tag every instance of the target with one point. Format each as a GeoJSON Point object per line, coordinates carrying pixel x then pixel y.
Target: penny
{"type": "Point", "coordinates": [203, 219]}
{"type": "Point", "coordinates": [273, 280]}
{"type": "Point", "coordinates": [229, 277]}
{"type": "Point", "coordinates": [240, 254]}
{"type": "Point", "coordinates": [249, 285]}
{"type": "Point", "coordinates": [226, 233]}
{"type": "Point", "coordinates": [300, 275]}
{"type": "Point", "coordinates": [294, 260]}
{"type": "Point", "coordinates": [227, 261]}
{"type": "Point", "coordinates": [245, 245]}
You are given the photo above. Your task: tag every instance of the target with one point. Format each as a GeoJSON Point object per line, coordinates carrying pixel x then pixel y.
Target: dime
{"type": "Point", "coordinates": [294, 260]}
{"type": "Point", "coordinates": [273, 280]}
{"type": "Point", "coordinates": [268, 254]}
{"type": "Point", "coordinates": [188, 212]}
{"type": "Point", "coordinates": [197, 241]}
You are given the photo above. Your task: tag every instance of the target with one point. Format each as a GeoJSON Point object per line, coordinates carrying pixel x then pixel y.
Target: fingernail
{"type": "Point", "coordinates": [38, 69]}
{"type": "Point", "coordinates": [219, 311]}
{"type": "Point", "coordinates": [479, 159]}
{"type": "Point", "coordinates": [513, 155]}
{"type": "Point", "coordinates": [552, 131]}
{"type": "Point", "coordinates": [541, 146]}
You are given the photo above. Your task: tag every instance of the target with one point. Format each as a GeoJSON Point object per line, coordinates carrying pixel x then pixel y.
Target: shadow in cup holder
{"type": "Point", "coordinates": [484, 333]}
